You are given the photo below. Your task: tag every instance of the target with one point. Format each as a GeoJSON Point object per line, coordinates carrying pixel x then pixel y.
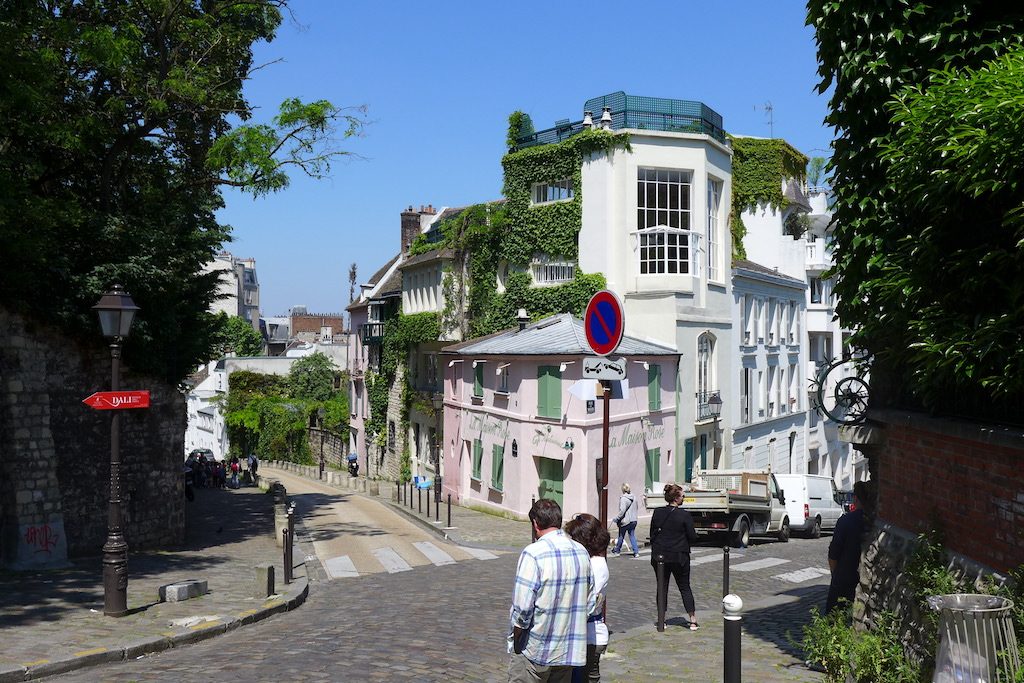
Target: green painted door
{"type": "Point", "coordinates": [551, 484]}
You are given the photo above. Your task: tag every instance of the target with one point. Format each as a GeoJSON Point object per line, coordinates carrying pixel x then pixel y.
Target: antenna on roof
{"type": "Point", "coordinates": [768, 110]}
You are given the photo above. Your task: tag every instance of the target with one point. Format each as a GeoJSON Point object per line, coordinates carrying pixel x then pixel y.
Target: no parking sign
{"type": "Point", "coordinates": [604, 322]}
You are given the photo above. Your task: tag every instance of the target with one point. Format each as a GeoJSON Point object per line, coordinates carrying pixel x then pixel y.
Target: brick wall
{"type": "Point", "coordinates": [967, 478]}
{"type": "Point", "coordinates": [55, 464]}
{"type": "Point", "coordinates": [310, 323]}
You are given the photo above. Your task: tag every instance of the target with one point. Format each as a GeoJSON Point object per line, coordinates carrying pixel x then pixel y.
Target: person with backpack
{"type": "Point", "coordinates": [254, 464]}
{"type": "Point", "coordinates": [626, 521]}
{"type": "Point", "coordinates": [235, 469]}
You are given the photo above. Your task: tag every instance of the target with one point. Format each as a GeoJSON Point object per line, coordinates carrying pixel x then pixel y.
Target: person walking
{"type": "Point", "coordinates": [844, 552]}
{"type": "Point", "coordinates": [588, 531]}
{"type": "Point", "coordinates": [553, 594]}
{"type": "Point", "coordinates": [235, 469]}
{"type": "Point", "coordinates": [626, 521]}
{"type": "Point", "coordinates": [254, 465]}
{"type": "Point", "coordinates": [672, 533]}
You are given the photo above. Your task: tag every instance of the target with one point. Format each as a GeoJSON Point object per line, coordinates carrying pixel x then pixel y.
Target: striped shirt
{"type": "Point", "coordinates": [553, 593]}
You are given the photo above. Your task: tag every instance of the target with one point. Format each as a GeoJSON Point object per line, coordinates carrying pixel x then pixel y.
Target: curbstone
{"type": "Point", "coordinates": [145, 646]}
{"type": "Point", "coordinates": [198, 633]}
{"type": "Point", "coordinates": [9, 673]}
{"type": "Point", "coordinates": [99, 655]}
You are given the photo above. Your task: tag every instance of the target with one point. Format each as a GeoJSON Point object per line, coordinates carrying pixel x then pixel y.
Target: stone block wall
{"type": "Point", "coordinates": [335, 448]}
{"type": "Point", "coordinates": [391, 461]}
{"type": "Point", "coordinates": [55, 464]}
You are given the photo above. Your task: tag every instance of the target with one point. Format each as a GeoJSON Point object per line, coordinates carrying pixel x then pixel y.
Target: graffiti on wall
{"type": "Point", "coordinates": [41, 539]}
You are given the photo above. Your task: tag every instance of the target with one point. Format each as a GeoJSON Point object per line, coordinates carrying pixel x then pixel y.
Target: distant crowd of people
{"type": "Point", "coordinates": [203, 470]}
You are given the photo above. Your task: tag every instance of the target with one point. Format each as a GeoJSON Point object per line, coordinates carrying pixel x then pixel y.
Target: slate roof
{"type": "Point", "coordinates": [436, 254]}
{"type": "Point", "coordinates": [757, 268]}
{"type": "Point", "coordinates": [559, 335]}
{"type": "Point", "coordinates": [374, 279]}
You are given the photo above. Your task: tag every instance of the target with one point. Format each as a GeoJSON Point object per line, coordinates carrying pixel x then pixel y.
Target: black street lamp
{"type": "Point", "coordinates": [320, 417]}
{"type": "Point", "coordinates": [116, 311]}
{"type": "Point", "coordinates": [715, 408]}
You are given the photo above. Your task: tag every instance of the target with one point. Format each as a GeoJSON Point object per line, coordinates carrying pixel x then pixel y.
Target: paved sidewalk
{"type": "Point", "coordinates": [52, 621]}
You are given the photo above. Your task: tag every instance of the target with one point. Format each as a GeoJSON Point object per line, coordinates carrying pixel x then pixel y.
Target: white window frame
{"type": "Point", "coordinates": [552, 192]}
{"type": "Point", "coordinates": [817, 285]}
{"type": "Point", "coordinates": [713, 228]}
{"type": "Point", "coordinates": [665, 243]}
{"type": "Point", "coordinates": [746, 404]}
{"type": "Point", "coordinates": [705, 363]}
{"type": "Point", "coordinates": [548, 272]}
{"type": "Point", "coordinates": [502, 372]}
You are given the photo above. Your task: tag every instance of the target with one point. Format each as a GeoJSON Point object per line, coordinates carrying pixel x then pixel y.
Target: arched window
{"type": "Point", "coordinates": [705, 367]}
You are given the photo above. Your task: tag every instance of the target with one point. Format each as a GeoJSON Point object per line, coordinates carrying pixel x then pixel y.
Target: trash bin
{"type": "Point", "coordinates": [977, 641]}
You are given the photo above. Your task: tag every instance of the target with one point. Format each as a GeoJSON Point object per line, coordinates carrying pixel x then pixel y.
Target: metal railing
{"type": "Point", "coordinates": [703, 404]}
{"type": "Point", "coordinates": [371, 333]}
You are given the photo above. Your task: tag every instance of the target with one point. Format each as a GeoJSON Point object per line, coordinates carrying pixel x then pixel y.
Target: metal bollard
{"type": "Point", "coordinates": [449, 511]}
{"type": "Point", "coordinates": [725, 571]}
{"type": "Point", "coordinates": [533, 531]}
{"type": "Point", "coordinates": [287, 560]}
{"type": "Point", "coordinates": [437, 506]}
{"type": "Point", "coordinates": [398, 491]}
{"type": "Point", "coordinates": [659, 569]}
{"type": "Point", "coordinates": [731, 606]}
{"type": "Point", "coordinates": [428, 504]}
{"type": "Point", "coordinates": [419, 497]}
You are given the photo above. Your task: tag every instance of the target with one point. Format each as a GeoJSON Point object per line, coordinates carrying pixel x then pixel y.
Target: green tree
{"type": "Point", "coordinates": [312, 378]}
{"type": "Point", "coordinates": [237, 336]}
{"type": "Point", "coordinates": [117, 139]}
{"type": "Point", "coordinates": [927, 193]}
{"type": "Point", "coordinates": [816, 171]}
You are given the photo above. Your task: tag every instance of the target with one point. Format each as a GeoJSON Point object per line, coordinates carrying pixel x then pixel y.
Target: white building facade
{"type": "Point", "coordinates": [239, 288]}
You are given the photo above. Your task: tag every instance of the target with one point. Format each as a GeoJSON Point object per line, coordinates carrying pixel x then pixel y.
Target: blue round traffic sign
{"type": "Point", "coordinates": [604, 322]}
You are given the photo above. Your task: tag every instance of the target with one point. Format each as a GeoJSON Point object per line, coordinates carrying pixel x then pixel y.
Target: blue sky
{"type": "Point", "coordinates": [439, 81]}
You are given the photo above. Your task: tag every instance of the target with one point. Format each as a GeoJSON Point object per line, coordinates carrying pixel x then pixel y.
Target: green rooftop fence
{"type": "Point", "coordinates": [631, 111]}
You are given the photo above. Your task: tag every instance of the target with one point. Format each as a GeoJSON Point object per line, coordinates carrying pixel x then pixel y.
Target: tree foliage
{"type": "Point", "coordinates": [116, 140]}
{"type": "Point", "coordinates": [312, 378]}
{"type": "Point", "coordinates": [927, 188]}
{"type": "Point", "coordinates": [236, 335]}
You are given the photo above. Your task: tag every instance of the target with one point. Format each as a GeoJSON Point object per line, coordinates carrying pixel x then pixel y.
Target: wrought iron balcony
{"type": "Point", "coordinates": [372, 333]}
{"type": "Point", "coordinates": [704, 411]}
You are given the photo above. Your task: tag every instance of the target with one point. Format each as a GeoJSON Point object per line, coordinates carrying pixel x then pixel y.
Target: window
{"type": "Point", "coordinates": [771, 391]}
{"type": "Point", "coordinates": [497, 467]}
{"type": "Point", "coordinates": [391, 436]}
{"type": "Point", "coordinates": [654, 387]}
{"type": "Point", "coordinates": [773, 322]}
{"type": "Point", "coordinates": [782, 391]}
{"type": "Point", "coordinates": [761, 393]}
{"type": "Point", "coordinates": [555, 191]}
{"type": "Point", "coordinates": [794, 388]}
{"type": "Point", "coordinates": [663, 221]}
{"type": "Point", "coordinates": [549, 391]}
{"type": "Point", "coordinates": [794, 323]}
{"type": "Point", "coordinates": [478, 380]}
{"type": "Point", "coordinates": [478, 456]}
{"type": "Point", "coordinates": [714, 200]}
{"type": "Point", "coordinates": [503, 380]}
{"type": "Point", "coordinates": [432, 371]}
{"type": "Point", "coordinates": [748, 319]}
{"type": "Point", "coordinates": [817, 289]}
{"type": "Point", "coordinates": [553, 272]}
{"type": "Point", "coordinates": [705, 366]}
{"type": "Point", "coordinates": [746, 406]}
{"type": "Point", "coordinates": [652, 467]}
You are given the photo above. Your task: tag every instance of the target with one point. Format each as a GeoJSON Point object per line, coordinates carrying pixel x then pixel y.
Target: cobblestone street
{"type": "Point", "coordinates": [447, 622]}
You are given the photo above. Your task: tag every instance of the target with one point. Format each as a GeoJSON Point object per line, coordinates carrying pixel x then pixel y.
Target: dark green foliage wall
{"type": "Point", "coordinates": [758, 168]}
{"type": "Point", "coordinates": [927, 195]}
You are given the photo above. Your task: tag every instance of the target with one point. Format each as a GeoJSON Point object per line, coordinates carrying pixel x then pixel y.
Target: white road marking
{"type": "Point", "coordinates": [717, 557]}
{"type": "Point", "coordinates": [801, 575]}
{"type": "Point", "coordinates": [757, 564]}
{"type": "Point", "coordinates": [479, 554]}
{"type": "Point", "coordinates": [341, 567]}
{"type": "Point", "coordinates": [433, 553]}
{"type": "Point", "coordinates": [390, 560]}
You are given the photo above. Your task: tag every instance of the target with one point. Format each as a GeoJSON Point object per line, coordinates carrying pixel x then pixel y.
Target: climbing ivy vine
{"type": "Point", "coordinates": [758, 169]}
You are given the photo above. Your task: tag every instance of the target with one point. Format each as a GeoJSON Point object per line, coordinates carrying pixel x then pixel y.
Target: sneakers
{"type": "Point", "coordinates": [615, 553]}
{"type": "Point", "coordinates": [694, 626]}
{"type": "Point", "coordinates": [636, 556]}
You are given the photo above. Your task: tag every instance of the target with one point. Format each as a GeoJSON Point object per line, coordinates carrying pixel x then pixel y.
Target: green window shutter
{"type": "Point", "coordinates": [652, 467]}
{"type": "Point", "coordinates": [497, 467]}
{"type": "Point", "coordinates": [478, 456]}
{"type": "Point", "coordinates": [549, 391]}
{"type": "Point", "coordinates": [689, 460]}
{"type": "Point", "coordinates": [478, 380]}
{"type": "Point", "coordinates": [654, 387]}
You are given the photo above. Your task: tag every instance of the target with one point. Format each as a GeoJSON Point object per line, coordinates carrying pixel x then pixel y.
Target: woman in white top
{"type": "Point", "coordinates": [588, 531]}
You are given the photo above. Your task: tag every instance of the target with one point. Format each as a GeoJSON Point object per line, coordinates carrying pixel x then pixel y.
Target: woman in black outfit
{"type": "Point", "coordinates": [672, 533]}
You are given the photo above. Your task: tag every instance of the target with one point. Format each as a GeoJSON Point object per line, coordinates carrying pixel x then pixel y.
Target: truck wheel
{"type": "Point", "coordinates": [741, 537]}
{"type": "Point", "coordinates": [784, 531]}
{"type": "Point", "coordinates": [816, 529]}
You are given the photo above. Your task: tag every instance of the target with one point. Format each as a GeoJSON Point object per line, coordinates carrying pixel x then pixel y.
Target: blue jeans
{"type": "Point", "coordinates": [631, 530]}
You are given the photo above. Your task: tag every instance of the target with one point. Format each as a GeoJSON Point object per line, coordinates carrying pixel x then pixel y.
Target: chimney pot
{"type": "Point", "coordinates": [588, 119]}
{"type": "Point", "coordinates": [523, 319]}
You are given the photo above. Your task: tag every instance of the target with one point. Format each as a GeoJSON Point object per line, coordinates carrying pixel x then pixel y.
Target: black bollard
{"type": "Point", "coordinates": [428, 504]}
{"type": "Point", "coordinates": [398, 491]}
{"type": "Point", "coordinates": [732, 605]}
{"type": "Point", "coordinates": [725, 571]}
{"type": "Point", "coordinates": [419, 496]}
{"type": "Point", "coordinates": [286, 560]}
{"type": "Point", "coordinates": [533, 531]}
{"type": "Point", "coordinates": [437, 506]}
{"type": "Point", "coordinates": [659, 569]}
{"type": "Point", "coordinates": [449, 511]}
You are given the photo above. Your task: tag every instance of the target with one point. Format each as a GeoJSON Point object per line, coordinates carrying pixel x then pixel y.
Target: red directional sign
{"type": "Point", "coordinates": [118, 400]}
{"type": "Point", "coordinates": [604, 322]}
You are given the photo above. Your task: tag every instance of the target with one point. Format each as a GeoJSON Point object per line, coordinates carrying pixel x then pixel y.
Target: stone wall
{"type": "Point", "coordinates": [335, 448]}
{"type": "Point", "coordinates": [391, 461]}
{"type": "Point", "coordinates": [55, 464]}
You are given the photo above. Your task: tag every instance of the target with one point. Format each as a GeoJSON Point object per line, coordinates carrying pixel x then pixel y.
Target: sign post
{"type": "Point", "coordinates": [604, 323]}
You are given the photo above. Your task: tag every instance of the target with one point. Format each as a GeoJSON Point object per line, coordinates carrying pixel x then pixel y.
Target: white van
{"type": "Point", "coordinates": [812, 502]}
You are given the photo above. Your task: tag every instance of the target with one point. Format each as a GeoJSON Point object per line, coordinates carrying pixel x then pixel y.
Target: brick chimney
{"type": "Point", "coordinates": [410, 227]}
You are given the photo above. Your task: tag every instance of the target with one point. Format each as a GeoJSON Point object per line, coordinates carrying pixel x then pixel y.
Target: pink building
{"type": "Point", "coordinates": [521, 422]}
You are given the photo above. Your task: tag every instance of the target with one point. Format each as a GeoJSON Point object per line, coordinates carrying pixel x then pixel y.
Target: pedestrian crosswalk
{"type": "Point", "coordinates": [389, 560]}
{"type": "Point", "coordinates": [741, 564]}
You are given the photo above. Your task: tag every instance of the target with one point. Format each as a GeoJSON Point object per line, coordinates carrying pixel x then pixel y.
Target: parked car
{"type": "Point", "coordinates": [812, 501]}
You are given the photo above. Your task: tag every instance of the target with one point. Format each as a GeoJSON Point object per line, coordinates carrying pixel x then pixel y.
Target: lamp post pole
{"type": "Point", "coordinates": [116, 312]}
{"type": "Point", "coordinates": [320, 416]}
{"type": "Point", "coordinates": [715, 407]}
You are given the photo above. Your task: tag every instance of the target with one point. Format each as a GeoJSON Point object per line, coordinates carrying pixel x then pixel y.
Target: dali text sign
{"type": "Point", "coordinates": [118, 400]}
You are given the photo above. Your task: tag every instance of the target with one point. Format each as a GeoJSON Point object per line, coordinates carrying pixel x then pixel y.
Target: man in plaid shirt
{"type": "Point", "coordinates": [552, 597]}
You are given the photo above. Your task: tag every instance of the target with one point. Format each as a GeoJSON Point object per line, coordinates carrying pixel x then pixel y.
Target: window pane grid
{"type": "Point", "coordinates": [663, 200]}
